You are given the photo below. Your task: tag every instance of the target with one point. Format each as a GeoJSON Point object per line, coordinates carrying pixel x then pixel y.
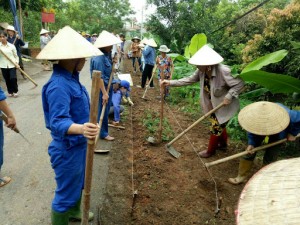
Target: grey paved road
{"type": "Point", "coordinates": [27, 199]}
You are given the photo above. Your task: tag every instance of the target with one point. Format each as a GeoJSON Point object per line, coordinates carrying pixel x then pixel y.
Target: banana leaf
{"type": "Point", "coordinates": [265, 60]}
{"type": "Point", "coordinates": [275, 83]}
{"type": "Point", "coordinates": [187, 53]}
{"type": "Point", "coordinates": [198, 40]}
{"type": "Point", "coordinates": [254, 93]}
{"type": "Point", "coordinates": [177, 57]}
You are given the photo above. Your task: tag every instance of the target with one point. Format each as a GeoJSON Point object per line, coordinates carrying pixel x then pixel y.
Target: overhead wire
{"type": "Point", "coordinates": [239, 17]}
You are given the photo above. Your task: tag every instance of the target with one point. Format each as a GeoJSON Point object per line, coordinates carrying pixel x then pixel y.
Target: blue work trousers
{"type": "Point", "coordinates": [104, 127]}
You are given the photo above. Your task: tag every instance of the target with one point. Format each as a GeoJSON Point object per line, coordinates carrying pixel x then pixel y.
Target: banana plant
{"type": "Point", "coordinates": [275, 83]}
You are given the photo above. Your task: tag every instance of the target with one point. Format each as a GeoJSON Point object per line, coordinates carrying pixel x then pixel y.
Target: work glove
{"type": "Point", "coordinates": [130, 102]}
{"type": "Point", "coordinates": [124, 100]}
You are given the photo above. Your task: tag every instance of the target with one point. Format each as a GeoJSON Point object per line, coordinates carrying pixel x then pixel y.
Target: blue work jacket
{"type": "Point", "coordinates": [65, 101]}
{"type": "Point", "coordinates": [149, 55]}
{"type": "Point", "coordinates": [102, 63]}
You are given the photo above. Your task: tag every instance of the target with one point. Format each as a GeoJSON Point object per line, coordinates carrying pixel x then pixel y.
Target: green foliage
{"type": "Point", "coordinates": [273, 57]}
{"type": "Point", "coordinates": [198, 40]}
{"type": "Point", "coordinates": [151, 121]}
{"type": "Point", "coordinates": [276, 83]}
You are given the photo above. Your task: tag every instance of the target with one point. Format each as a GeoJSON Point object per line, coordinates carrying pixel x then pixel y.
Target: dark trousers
{"type": "Point", "coordinates": [147, 73]}
{"type": "Point", "coordinates": [10, 78]}
{"type": "Point", "coordinates": [139, 61]}
{"type": "Point", "coordinates": [20, 61]}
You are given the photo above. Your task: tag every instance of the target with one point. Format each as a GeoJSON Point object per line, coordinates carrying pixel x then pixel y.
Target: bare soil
{"type": "Point", "coordinates": [146, 185]}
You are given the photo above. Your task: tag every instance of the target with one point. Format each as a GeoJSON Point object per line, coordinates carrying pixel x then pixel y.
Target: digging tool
{"type": "Point", "coordinates": [103, 110]}
{"type": "Point", "coordinates": [169, 146]}
{"type": "Point", "coordinates": [18, 67]}
{"type": "Point", "coordinates": [95, 92]}
{"type": "Point", "coordinates": [162, 95]}
{"type": "Point", "coordinates": [247, 152]}
{"type": "Point", "coordinates": [4, 117]}
{"type": "Point", "coordinates": [147, 86]}
{"type": "Point", "coordinates": [116, 126]}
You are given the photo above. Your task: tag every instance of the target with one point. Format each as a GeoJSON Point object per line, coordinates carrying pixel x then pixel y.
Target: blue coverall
{"type": "Point", "coordinates": [2, 98]}
{"type": "Point", "coordinates": [66, 101]}
{"type": "Point", "coordinates": [103, 63]}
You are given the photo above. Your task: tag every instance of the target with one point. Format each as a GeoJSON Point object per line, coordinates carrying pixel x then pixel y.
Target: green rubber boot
{"type": "Point", "coordinates": [76, 214]}
{"type": "Point", "coordinates": [59, 218]}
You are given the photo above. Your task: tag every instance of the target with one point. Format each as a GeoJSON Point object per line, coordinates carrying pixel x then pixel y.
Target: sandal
{"type": "Point", "coordinates": [4, 181]}
{"type": "Point", "coordinates": [109, 138]}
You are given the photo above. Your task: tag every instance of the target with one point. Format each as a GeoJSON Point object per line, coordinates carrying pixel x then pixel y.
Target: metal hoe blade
{"type": "Point", "coordinates": [173, 151]}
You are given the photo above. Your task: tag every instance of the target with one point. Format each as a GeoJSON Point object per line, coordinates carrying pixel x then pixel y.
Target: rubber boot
{"type": "Point", "coordinates": [244, 169]}
{"type": "Point", "coordinates": [223, 140]}
{"type": "Point", "coordinates": [59, 218]}
{"type": "Point", "coordinates": [212, 146]}
{"type": "Point", "coordinates": [76, 214]}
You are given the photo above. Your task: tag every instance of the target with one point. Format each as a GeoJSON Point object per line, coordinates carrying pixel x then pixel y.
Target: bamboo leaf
{"type": "Point", "coordinates": [275, 83]}
{"type": "Point", "coordinates": [198, 40]}
{"type": "Point", "coordinates": [265, 60]}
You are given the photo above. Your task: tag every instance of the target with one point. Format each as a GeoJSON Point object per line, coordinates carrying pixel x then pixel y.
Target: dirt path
{"type": "Point", "coordinates": [169, 190]}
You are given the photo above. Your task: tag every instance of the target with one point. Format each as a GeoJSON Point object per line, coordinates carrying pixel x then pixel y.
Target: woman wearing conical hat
{"type": "Point", "coordinates": [216, 86]}
{"type": "Point", "coordinates": [44, 40]}
{"type": "Point", "coordinates": [261, 120]}
{"type": "Point", "coordinates": [103, 63]}
{"type": "Point", "coordinates": [66, 110]}
{"type": "Point", "coordinates": [149, 60]}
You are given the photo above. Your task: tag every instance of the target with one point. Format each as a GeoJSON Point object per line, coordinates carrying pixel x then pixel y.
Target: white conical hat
{"type": "Point", "coordinates": [264, 118]}
{"type": "Point", "coordinates": [144, 41]}
{"type": "Point", "coordinates": [43, 31]}
{"type": "Point", "coordinates": [106, 39]}
{"type": "Point", "coordinates": [206, 56]}
{"type": "Point", "coordinates": [151, 43]}
{"type": "Point", "coordinates": [10, 27]}
{"type": "Point", "coordinates": [68, 44]}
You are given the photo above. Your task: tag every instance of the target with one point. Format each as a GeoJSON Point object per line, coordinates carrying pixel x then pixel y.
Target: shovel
{"type": "Point", "coordinates": [147, 86]}
{"type": "Point", "coordinates": [246, 152]}
{"type": "Point", "coordinates": [169, 146]}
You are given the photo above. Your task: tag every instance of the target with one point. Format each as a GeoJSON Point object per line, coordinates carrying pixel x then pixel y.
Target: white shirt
{"type": "Point", "coordinates": [9, 50]}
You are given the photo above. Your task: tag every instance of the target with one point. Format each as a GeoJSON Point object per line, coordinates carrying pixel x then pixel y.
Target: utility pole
{"type": "Point", "coordinates": [21, 19]}
{"type": "Point", "coordinates": [142, 22]}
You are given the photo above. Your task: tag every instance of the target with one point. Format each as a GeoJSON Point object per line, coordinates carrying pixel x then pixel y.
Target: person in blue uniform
{"type": "Point", "coordinates": [11, 123]}
{"type": "Point", "coordinates": [66, 110]}
{"type": "Point", "coordinates": [122, 89]}
{"type": "Point", "coordinates": [103, 63]}
{"type": "Point", "coordinates": [281, 123]}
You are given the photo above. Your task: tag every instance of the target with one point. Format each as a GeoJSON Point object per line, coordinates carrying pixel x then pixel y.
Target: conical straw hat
{"type": "Point", "coordinates": [264, 118]}
{"type": "Point", "coordinates": [43, 31]}
{"type": "Point", "coordinates": [272, 195]}
{"type": "Point", "coordinates": [144, 41]}
{"type": "Point", "coordinates": [106, 39]}
{"type": "Point", "coordinates": [68, 44]}
{"type": "Point", "coordinates": [206, 56]}
{"type": "Point", "coordinates": [151, 43]}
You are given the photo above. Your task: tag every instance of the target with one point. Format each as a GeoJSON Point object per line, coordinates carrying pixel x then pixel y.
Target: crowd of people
{"type": "Point", "coordinates": [66, 103]}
